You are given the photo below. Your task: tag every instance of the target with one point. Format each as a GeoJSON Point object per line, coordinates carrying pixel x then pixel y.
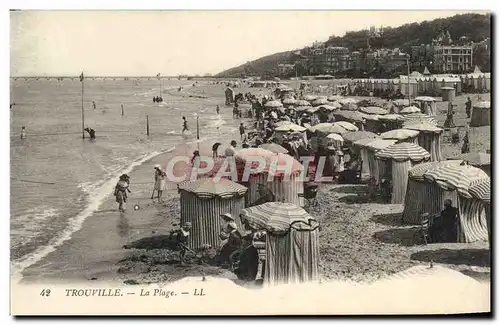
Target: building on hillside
{"type": "Point", "coordinates": [285, 69]}
{"type": "Point", "coordinates": [421, 56]}
{"type": "Point", "coordinates": [449, 58]}
{"type": "Point", "coordinates": [329, 60]}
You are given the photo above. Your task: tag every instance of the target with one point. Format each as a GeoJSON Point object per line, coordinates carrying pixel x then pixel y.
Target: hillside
{"type": "Point", "coordinates": [474, 26]}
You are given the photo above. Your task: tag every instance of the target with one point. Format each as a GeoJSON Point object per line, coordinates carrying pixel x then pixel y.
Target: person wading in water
{"type": "Point", "coordinates": [184, 125]}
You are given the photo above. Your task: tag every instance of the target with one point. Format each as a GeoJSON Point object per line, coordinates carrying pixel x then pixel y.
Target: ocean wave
{"type": "Point", "coordinates": [96, 192]}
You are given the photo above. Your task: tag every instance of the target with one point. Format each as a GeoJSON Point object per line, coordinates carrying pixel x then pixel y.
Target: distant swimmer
{"type": "Point", "coordinates": [93, 105]}
{"type": "Point", "coordinates": [217, 109]}
{"type": "Point", "coordinates": [184, 125]}
{"type": "Point", "coordinates": [91, 132]}
{"type": "Point", "coordinates": [12, 105]}
{"type": "Point", "coordinates": [23, 132]}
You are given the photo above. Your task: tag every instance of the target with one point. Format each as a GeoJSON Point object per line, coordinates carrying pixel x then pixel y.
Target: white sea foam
{"type": "Point", "coordinates": [97, 193]}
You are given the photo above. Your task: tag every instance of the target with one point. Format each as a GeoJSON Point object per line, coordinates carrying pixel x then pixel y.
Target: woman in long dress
{"type": "Point", "coordinates": [160, 183]}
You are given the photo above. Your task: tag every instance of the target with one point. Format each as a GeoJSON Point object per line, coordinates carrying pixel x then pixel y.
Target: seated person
{"type": "Point", "coordinates": [386, 189]}
{"type": "Point", "coordinates": [230, 239]}
{"type": "Point", "coordinates": [349, 174]}
{"type": "Point", "coordinates": [443, 228]}
{"type": "Point", "coordinates": [247, 264]}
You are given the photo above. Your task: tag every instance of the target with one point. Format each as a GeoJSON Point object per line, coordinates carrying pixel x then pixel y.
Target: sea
{"type": "Point", "coordinates": [59, 179]}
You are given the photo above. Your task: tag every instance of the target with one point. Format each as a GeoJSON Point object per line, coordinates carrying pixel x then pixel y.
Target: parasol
{"type": "Point", "coordinates": [358, 135]}
{"type": "Point", "coordinates": [399, 134]}
{"type": "Point", "coordinates": [273, 147]}
{"type": "Point", "coordinates": [374, 110]}
{"type": "Point", "coordinates": [410, 110]}
{"type": "Point", "coordinates": [404, 151]}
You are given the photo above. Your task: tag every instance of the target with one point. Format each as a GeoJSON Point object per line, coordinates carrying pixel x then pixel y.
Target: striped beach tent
{"type": "Point", "coordinates": [477, 159]}
{"type": "Point", "coordinates": [368, 148]}
{"type": "Point", "coordinates": [418, 191]}
{"type": "Point", "coordinates": [292, 241]}
{"type": "Point", "coordinates": [429, 105]}
{"type": "Point", "coordinates": [391, 121]}
{"type": "Point", "coordinates": [403, 156]}
{"type": "Point", "coordinates": [203, 202]}
{"type": "Point", "coordinates": [481, 191]}
{"type": "Point", "coordinates": [416, 118]}
{"type": "Point", "coordinates": [401, 135]}
{"type": "Point", "coordinates": [428, 138]}
{"type": "Point", "coordinates": [358, 135]}
{"type": "Point", "coordinates": [354, 118]}
{"type": "Point", "coordinates": [454, 182]}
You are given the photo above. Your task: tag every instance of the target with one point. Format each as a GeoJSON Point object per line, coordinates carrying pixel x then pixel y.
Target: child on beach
{"type": "Point", "coordinates": [182, 241]}
{"type": "Point", "coordinates": [121, 189]}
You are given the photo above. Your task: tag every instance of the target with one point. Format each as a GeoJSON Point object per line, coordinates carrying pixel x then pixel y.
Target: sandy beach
{"type": "Point", "coordinates": [360, 240]}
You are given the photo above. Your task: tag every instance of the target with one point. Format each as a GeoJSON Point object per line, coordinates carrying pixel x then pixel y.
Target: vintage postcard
{"type": "Point", "coordinates": [250, 162]}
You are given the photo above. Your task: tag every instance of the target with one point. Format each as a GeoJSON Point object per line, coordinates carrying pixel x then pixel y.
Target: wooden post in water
{"type": "Point", "coordinates": [147, 125]}
{"type": "Point", "coordinates": [83, 114]}
{"type": "Point", "coordinates": [197, 128]}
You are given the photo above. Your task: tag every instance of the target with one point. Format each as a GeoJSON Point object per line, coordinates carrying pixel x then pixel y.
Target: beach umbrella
{"type": "Point", "coordinates": [289, 101]}
{"type": "Point", "coordinates": [302, 108]}
{"type": "Point", "coordinates": [345, 101]}
{"type": "Point", "coordinates": [329, 108]}
{"type": "Point", "coordinates": [418, 117]}
{"type": "Point", "coordinates": [375, 144]}
{"type": "Point", "coordinates": [208, 188]}
{"type": "Point", "coordinates": [312, 110]}
{"type": "Point", "coordinates": [458, 178]}
{"type": "Point", "coordinates": [334, 98]}
{"type": "Point", "coordinates": [351, 115]}
{"type": "Point", "coordinates": [401, 102]}
{"type": "Point", "coordinates": [391, 117]}
{"type": "Point", "coordinates": [310, 98]}
{"type": "Point", "coordinates": [404, 151]}
{"type": "Point", "coordinates": [425, 99]}
{"type": "Point", "coordinates": [358, 135]}
{"type": "Point", "coordinates": [253, 152]}
{"type": "Point", "coordinates": [327, 128]}
{"type": "Point", "coordinates": [399, 134]}
{"type": "Point", "coordinates": [335, 137]}
{"type": "Point", "coordinates": [273, 104]}
{"type": "Point", "coordinates": [374, 110]}
{"type": "Point", "coordinates": [302, 102]}
{"type": "Point", "coordinates": [319, 101]}
{"type": "Point", "coordinates": [481, 190]}
{"type": "Point", "coordinates": [423, 127]}
{"type": "Point", "coordinates": [346, 125]}
{"type": "Point", "coordinates": [475, 158]}
{"type": "Point", "coordinates": [273, 147]}
{"type": "Point", "coordinates": [281, 123]}
{"type": "Point", "coordinates": [417, 172]}
{"type": "Point", "coordinates": [410, 110]}
{"type": "Point", "coordinates": [291, 127]}
{"type": "Point", "coordinates": [349, 107]}
{"type": "Point", "coordinates": [275, 216]}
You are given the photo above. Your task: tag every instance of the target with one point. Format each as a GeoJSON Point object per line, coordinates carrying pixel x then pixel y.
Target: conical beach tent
{"type": "Point", "coordinates": [292, 242]}
{"type": "Point", "coordinates": [417, 190]}
{"type": "Point", "coordinates": [368, 148]}
{"type": "Point", "coordinates": [481, 190]}
{"type": "Point", "coordinates": [429, 138]}
{"type": "Point", "coordinates": [203, 202]}
{"type": "Point", "coordinates": [454, 183]}
{"type": "Point", "coordinates": [403, 156]}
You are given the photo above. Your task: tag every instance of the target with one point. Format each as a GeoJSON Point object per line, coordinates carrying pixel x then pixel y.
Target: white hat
{"type": "Point", "coordinates": [227, 216]}
{"type": "Point", "coordinates": [157, 166]}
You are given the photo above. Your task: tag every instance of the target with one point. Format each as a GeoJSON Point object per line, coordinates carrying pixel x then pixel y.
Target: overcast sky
{"type": "Point", "coordinates": [175, 42]}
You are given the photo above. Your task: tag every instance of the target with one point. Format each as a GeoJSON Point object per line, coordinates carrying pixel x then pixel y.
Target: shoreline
{"type": "Point", "coordinates": [36, 265]}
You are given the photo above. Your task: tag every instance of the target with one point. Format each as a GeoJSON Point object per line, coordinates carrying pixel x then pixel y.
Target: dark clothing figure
{"type": "Point", "coordinates": [217, 109]}
{"type": "Point", "coordinates": [444, 226]}
{"type": "Point", "coordinates": [184, 125]}
{"type": "Point", "coordinates": [91, 132]}
{"type": "Point", "coordinates": [248, 264]}
{"type": "Point", "coordinates": [182, 238]}
{"type": "Point", "coordinates": [466, 146]}
{"type": "Point", "coordinates": [215, 148]}
{"type": "Point", "coordinates": [232, 244]}
{"type": "Point", "coordinates": [468, 107]}
{"type": "Point", "coordinates": [242, 131]}
{"type": "Point", "coordinates": [449, 123]}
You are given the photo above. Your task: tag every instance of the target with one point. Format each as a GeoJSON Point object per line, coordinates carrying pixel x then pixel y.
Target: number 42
{"type": "Point", "coordinates": [45, 293]}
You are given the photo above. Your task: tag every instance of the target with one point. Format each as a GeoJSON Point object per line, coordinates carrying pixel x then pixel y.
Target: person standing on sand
{"type": "Point", "coordinates": [242, 131]}
{"type": "Point", "coordinates": [468, 107]}
{"type": "Point", "coordinates": [23, 132]}
{"type": "Point", "coordinates": [231, 150]}
{"type": "Point", "coordinates": [121, 189]}
{"type": "Point", "coordinates": [182, 241]}
{"type": "Point", "coordinates": [184, 125]}
{"type": "Point", "coordinates": [159, 183]}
